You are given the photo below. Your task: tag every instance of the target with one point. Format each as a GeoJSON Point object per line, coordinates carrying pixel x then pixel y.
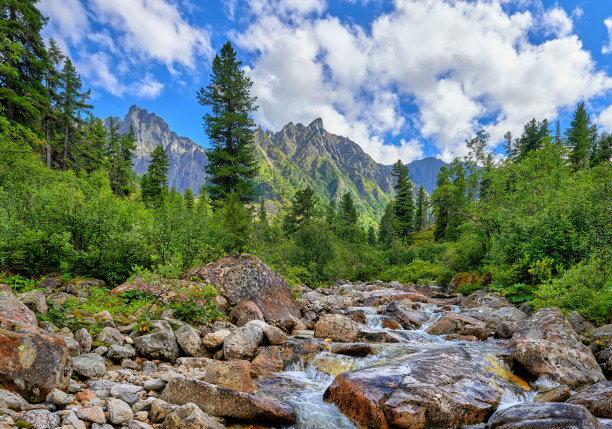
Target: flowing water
{"type": "Point", "coordinates": [303, 386]}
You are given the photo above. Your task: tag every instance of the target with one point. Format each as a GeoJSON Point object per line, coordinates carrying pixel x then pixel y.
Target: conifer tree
{"type": "Point", "coordinates": [420, 216]}
{"type": "Point", "coordinates": [442, 201]}
{"type": "Point", "coordinates": [459, 201]}
{"type": "Point", "coordinates": [262, 215]}
{"type": "Point", "coordinates": [534, 136]}
{"type": "Point", "coordinates": [157, 174]}
{"type": "Point", "coordinates": [579, 136]}
{"type": "Point", "coordinates": [302, 210]}
{"type": "Point", "coordinates": [232, 164]}
{"type": "Point", "coordinates": [347, 212]}
{"type": "Point", "coordinates": [371, 236]}
{"type": "Point", "coordinates": [404, 204]}
{"type": "Point", "coordinates": [189, 200]}
{"type": "Point", "coordinates": [602, 152]}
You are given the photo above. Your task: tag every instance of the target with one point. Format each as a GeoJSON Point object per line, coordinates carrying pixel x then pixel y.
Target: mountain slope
{"type": "Point", "coordinates": [291, 159]}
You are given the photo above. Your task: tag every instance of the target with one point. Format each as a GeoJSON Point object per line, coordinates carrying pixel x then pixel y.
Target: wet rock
{"type": "Point", "coordinates": [14, 313]}
{"type": "Point", "coordinates": [89, 365]}
{"type": "Point", "coordinates": [229, 403]}
{"type": "Point", "coordinates": [93, 414]}
{"type": "Point", "coordinates": [537, 415]}
{"type": "Point", "coordinates": [110, 335]}
{"type": "Point", "coordinates": [352, 349]}
{"type": "Point", "coordinates": [377, 336]}
{"type": "Point", "coordinates": [160, 409]}
{"type": "Point", "coordinates": [245, 312]}
{"type": "Point", "coordinates": [189, 340]}
{"type": "Point", "coordinates": [83, 337]}
{"type": "Point", "coordinates": [337, 327]}
{"type": "Point", "coordinates": [381, 297]}
{"type": "Point", "coordinates": [546, 344]}
{"type": "Point", "coordinates": [408, 318]}
{"type": "Point", "coordinates": [82, 287]}
{"type": "Point", "coordinates": [458, 324]}
{"type": "Point", "coordinates": [33, 362]}
{"type": "Point", "coordinates": [505, 330]}
{"type": "Point", "coordinates": [118, 353]}
{"type": "Point", "coordinates": [35, 301]}
{"type": "Point", "coordinates": [596, 398]}
{"type": "Point", "coordinates": [246, 278]}
{"type": "Point", "coordinates": [189, 416]}
{"type": "Point", "coordinates": [158, 345]}
{"type": "Point", "coordinates": [243, 342]}
{"type": "Point", "coordinates": [553, 394]}
{"type": "Point", "coordinates": [118, 411]}
{"type": "Point", "coordinates": [11, 400]}
{"type": "Point", "coordinates": [214, 340]}
{"type": "Point", "coordinates": [60, 398]}
{"type": "Point", "coordinates": [40, 419]}
{"type": "Point", "coordinates": [439, 388]}
{"type": "Point", "coordinates": [274, 336]}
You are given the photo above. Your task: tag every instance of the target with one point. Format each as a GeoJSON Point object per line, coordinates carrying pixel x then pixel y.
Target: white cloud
{"type": "Point", "coordinates": [148, 87]}
{"type": "Point", "coordinates": [605, 119]}
{"type": "Point", "coordinates": [463, 64]}
{"type": "Point", "coordinates": [607, 48]}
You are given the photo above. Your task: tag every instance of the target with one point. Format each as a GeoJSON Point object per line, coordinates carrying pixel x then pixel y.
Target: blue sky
{"type": "Point", "coordinates": [404, 79]}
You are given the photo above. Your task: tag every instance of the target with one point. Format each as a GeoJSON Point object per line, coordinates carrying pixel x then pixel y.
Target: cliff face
{"type": "Point", "coordinates": [291, 159]}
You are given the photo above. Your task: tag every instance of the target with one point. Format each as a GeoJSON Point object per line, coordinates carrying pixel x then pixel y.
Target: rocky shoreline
{"type": "Point", "coordinates": [390, 355]}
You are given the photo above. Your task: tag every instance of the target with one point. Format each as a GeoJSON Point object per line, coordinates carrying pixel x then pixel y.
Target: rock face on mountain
{"type": "Point", "coordinates": [290, 159]}
{"type": "Point", "coordinates": [187, 159]}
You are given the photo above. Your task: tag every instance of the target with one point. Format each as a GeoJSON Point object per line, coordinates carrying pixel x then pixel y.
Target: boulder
{"type": "Point", "coordinates": [337, 327]}
{"type": "Point", "coordinates": [596, 398]}
{"type": "Point", "coordinates": [385, 296]}
{"type": "Point", "coordinates": [189, 416]}
{"type": "Point", "coordinates": [14, 313]}
{"type": "Point", "coordinates": [233, 374]}
{"type": "Point", "coordinates": [40, 419]}
{"type": "Point", "coordinates": [245, 312]}
{"type": "Point", "coordinates": [438, 388]}
{"type": "Point", "coordinates": [246, 278]}
{"type": "Point", "coordinates": [93, 414]}
{"type": "Point", "coordinates": [82, 287]}
{"type": "Point", "coordinates": [540, 415]}
{"type": "Point", "coordinates": [243, 342]}
{"type": "Point", "coordinates": [33, 362]}
{"type": "Point", "coordinates": [223, 402]}
{"type": "Point", "coordinates": [90, 365]}
{"type": "Point", "coordinates": [272, 359]}
{"type": "Point", "coordinates": [189, 340]}
{"type": "Point", "coordinates": [110, 335]}
{"type": "Point", "coordinates": [160, 409]}
{"type": "Point", "coordinates": [275, 336]}
{"type": "Point", "coordinates": [11, 400]}
{"type": "Point", "coordinates": [408, 318]}
{"type": "Point", "coordinates": [601, 346]}
{"type": "Point", "coordinates": [161, 344]}
{"type": "Point", "coordinates": [458, 324]}
{"type": "Point", "coordinates": [214, 340]}
{"type": "Point", "coordinates": [352, 349]}
{"type": "Point", "coordinates": [83, 337]}
{"type": "Point", "coordinates": [35, 301]}
{"type": "Point", "coordinates": [60, 398]}
{"type": "Point", "coordinates": [546, 344]}
{"type": "Point", "coordinates": [51, 283]}
{"type": "Point", "coordinates": [553, 394]}
{"type": "Point", "coordinates": [118, 353]}
{"type": "Point", "coordinates": [118, 411]}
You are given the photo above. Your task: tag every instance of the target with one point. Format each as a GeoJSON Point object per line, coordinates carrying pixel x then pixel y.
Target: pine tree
{"type": "Point", "coordinates": [579, 136]}
{"type": "Point", "coordinates": [119, 152]}
{"type": "Point", "coordinates": [404, 204]}
{"type": "Point", "coordinates": [262, 215]}
{"type": "Point", "coordinates": [420, 217]}
{"type": "Point", "coordinates": [330, 216]}
{"type": "Point", "coordinates": [22, 92]}
{"type": "Point", "coordinates": [602, 151]}
{"type": "Point", "coordinates": [189, 200]}
{"type": "Point", "coordinates": [232, 164]}
{"type": "Point", "coordinates": [302, 210]}
{"type": "Point", "coordinates": [157, 174]}
{"type": "Point", "coordinates": [458, 201]}
{"type": "Point", "coordinates": [442, 202]}
{"type": "Point", "coordinates": [236, 224]}
{"type": "Point", "coordinates": [347, 212]}
{"type": "Point", "coordinates": [371, 236]}
{"type": "Point", "coordinates": [534, 136]}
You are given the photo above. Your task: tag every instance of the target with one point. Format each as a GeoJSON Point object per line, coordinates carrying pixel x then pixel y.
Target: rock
{"type": "Point", "coordinates": [276, 358]}
{"type": "Point", "coordinates": [483, 298]}
{"type": "Point", "coordinates": [352, 349]}
{"type": "Point", "coordinates": [382, 297]}
{"type": "Point", "coordinates": [11, 400]}
{"type": "Point", "coordinates": [601, 346]}
{"type": "Point", "coordinates": [40, 419]}
{"type": "Point", "coordinates": [596, 398]}
{"type": "Point", "coordinates": [160, 409]}
{"type": "Point", "coordinates": [82, 287]}
{"type": "Point", "coordinates": [35, 301]}
{"type": "Point", "coordinates": [117, 389]}
{"type": "Point", "coordinates": [158, 345]}
{"type": "Point", "coordinates": [89, 365]}
{"type": "Point", "coordinates": [553, 394]}
{"type": "Point", "coordinates": [438, 388]}
{"type": "Point", "coordinates": [118, 411]}
{"type": "Point", "coordinates": [215, 340]}
{"type": "Point", "coordinates": [537, 415]}
{"type": "Point", "coordinates": [51, 283]}
{"type": "Point", "coordinates": [245, 312]}
{"type": "Point", "coordinates": [83, 337]}
{"type": "Point", "coordinates": [189, 416]}
{"type": "Point", "coordinates": [73, 421]}
{"type": "Point", "coordinates": [93, 414]}
{"type": "Point", "coordinates": [246, 278]}
{"type": "Point", "coordinates": [337, 327]}
{"type": "Point", "coordinates": [110, 335]}
{"type": "Point", "coordinates": [105, 318]}
{"type": "Point", "coordinates": [189, 340]}
{"type": "Point", "coordinates": [458, 324]}
{"type": "Point", "coordinates": [156, 384]}
{"type": "Point", "coordinates": [101, 426]}
{"type": "Point", "coordinates": [74, 348]}
{"type": "Point", "coordinates": [234, 374]}
{"type": "Point", "coordinates": [222, 402]}
{"type": "Point", "coordinates": [137, 424]}
{"type": "Point", "coordinates": [118, 353]}
{"type": "Point", "coordinates": [60, 398]}
{"type": "Point", "coordinates": [14, 313]}
{"type": "Point", "coordinates": [129, 398]}
{"type": "Point", "coordinates": [85, 395]}
{"type": "Point", "coordinates": [275, 336]}
{"type": "Point", "coordinates": [33, 362]}
{"type": "Point", "coordinates": [546, 344]}
{"type": "Point", "coordinates": [243, 342]}
{"type": "Point", "coordinates": [505, 330]}
{"type": "Point", "coordinates": [527, 308]}
{"type": "Point", "coordinates": [408, 318]}
{"type": "Point", "coordinates": [580, 325]}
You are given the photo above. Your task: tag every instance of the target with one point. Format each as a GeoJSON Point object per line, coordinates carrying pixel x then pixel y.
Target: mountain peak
{"type": "Point", "coordinates": [317, 124]}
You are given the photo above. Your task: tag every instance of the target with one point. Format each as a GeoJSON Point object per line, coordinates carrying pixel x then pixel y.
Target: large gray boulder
{"type": "Point", "coordinates": [161, 344]}
{"type": "Point", "coordinates": [243, 342]}
{"type": "Point", "coordinates": [543, 415]}
{"type": "Point", "coordinates": [189, 416]}
{"type": "Point", "coordinates": [89, 365]}
{"type": "Point", "coordinates": [596, 398]}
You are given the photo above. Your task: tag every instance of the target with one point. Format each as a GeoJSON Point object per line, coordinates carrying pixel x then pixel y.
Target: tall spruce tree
{"type": "Point", "coordinates": [302, 210]}
{"type": "Point", "coordinates": [157, 175]}
{"type": "Point", "coordinates": [442, 202]}
{"type": "Point", "coordinates": [404, 203]}
{"type": "Point", "coordinates": [579, 136]}
{"type": "Point", "coordinates": [420, 215]}
{"type": "Point", "coordinates": [189, 200]}
{"type": "Point", "coordinates": [232, 164]}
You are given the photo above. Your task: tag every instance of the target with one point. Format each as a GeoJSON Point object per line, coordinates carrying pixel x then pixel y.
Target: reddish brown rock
{"type": "Point", "coordinates": [34, 362]}
{"type": "Point", "coordinates": [455, 323]}
{"type": "Point", "coordinates": [337, 327]}
{"type": "Point", "coordinates": [246, 278]}
{"type": "Point", "coordinates": [276, 358]}
{"type": "Point", "coordinates": [234, 374]}
{"type": "Point", "coordinates": [14, 313]}
{"type": "Point", "coordinates": [352, 349]}
{"type": "Point", "coordinates": [539, 415]}
{"type": "Point", "coordinates": [245, 312]}
{"type": "Point", "coordinates": [385, 296]}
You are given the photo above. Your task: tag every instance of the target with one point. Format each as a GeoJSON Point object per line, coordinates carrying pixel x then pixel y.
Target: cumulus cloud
{"type": "Point", "coordinates": [605, 119]}
{"type": "Point", "coordinates": [607, 48]}
{"type": "Point", "coordinates": [464, 65]}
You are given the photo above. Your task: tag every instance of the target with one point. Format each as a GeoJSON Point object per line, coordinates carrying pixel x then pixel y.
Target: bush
{"type": "Point", "coordinates": [419, 272]}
